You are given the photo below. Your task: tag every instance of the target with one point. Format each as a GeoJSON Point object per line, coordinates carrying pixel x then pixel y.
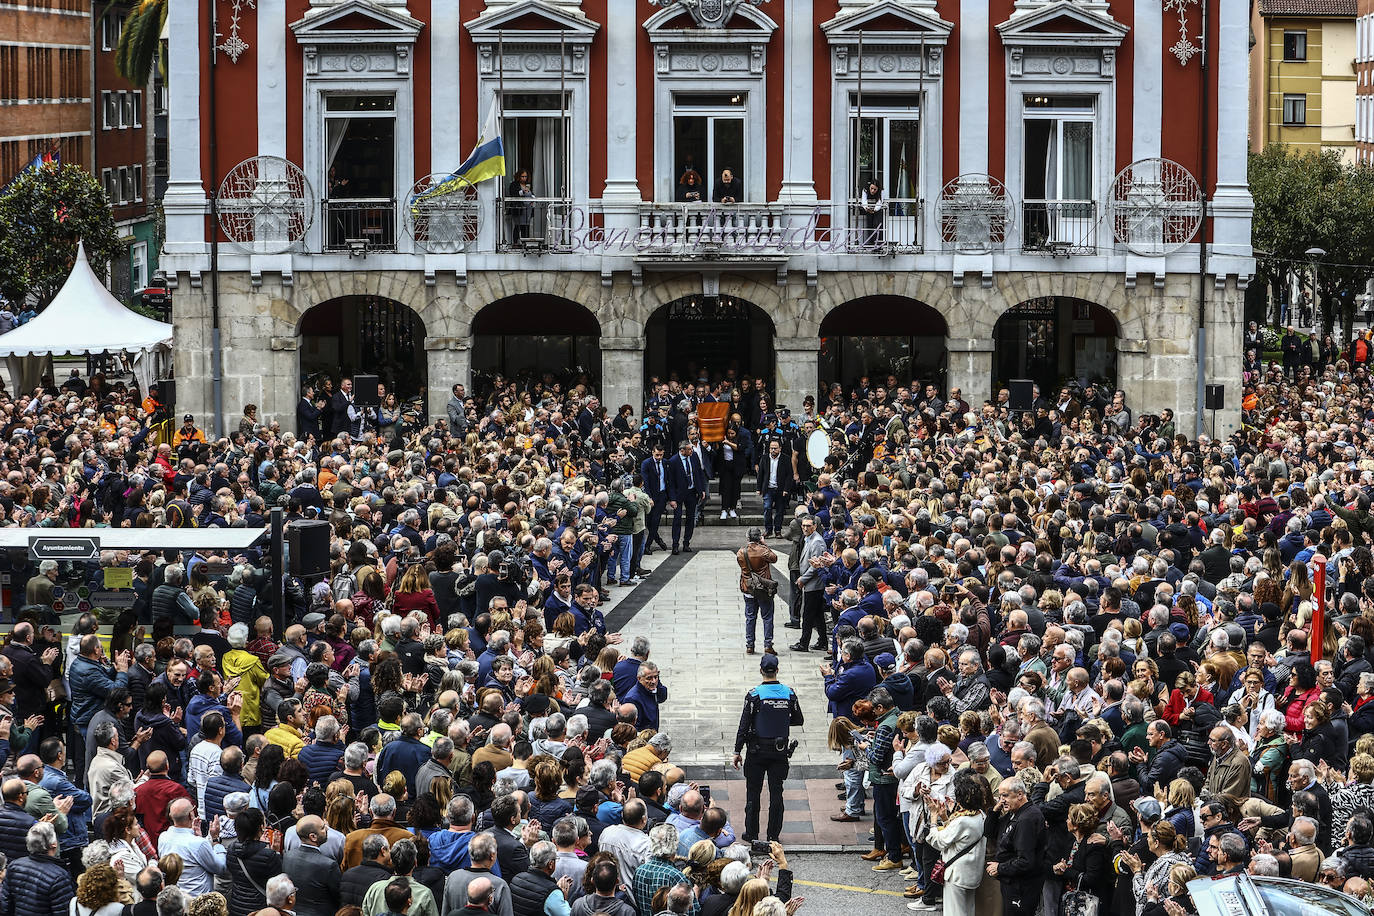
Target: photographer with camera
{"type": "Point", "coordinates": [770, 711]}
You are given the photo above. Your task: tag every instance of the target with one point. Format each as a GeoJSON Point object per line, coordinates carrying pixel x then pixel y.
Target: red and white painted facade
{"type": "Point", "coordinates": [999, 89]}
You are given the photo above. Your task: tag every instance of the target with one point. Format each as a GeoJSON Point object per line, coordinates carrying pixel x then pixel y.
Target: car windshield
{"type": "Point", "coordinates": [1293, 899]}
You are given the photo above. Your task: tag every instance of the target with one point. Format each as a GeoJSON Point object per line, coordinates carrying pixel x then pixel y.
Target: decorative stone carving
{"type": "Point", "coordinates": [707, 14]}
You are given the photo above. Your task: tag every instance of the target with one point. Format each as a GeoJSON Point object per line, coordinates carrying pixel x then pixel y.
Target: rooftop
{"type": "Point", "coordinates": [1330, 8]}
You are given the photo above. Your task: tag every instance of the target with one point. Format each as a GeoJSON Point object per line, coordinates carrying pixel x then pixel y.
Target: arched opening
{"type": "Point", "coordinates": [711, 337]}
{"type": "Point", "coordinates": [369, 335]}
{"type": "Point", "coordinates": [889, 340]}
{"type": "Point", "coordinates": [1054, 340]}
{"type": "Point", "coordinates": [535, 338]}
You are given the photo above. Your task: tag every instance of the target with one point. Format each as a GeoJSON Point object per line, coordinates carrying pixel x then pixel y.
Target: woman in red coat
{"type": "Point", "coordinates": [414, 593]}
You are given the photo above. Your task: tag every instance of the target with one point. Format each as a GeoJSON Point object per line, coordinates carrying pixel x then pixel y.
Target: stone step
{"type": "Point", "coordinates": [713, 519]}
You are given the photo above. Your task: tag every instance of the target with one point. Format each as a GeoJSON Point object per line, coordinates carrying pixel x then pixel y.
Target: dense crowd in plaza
{"type": "Point", "coordinates": [1074, 659]}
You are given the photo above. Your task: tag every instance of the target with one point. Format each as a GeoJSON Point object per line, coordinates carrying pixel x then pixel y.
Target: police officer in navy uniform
{"type": "Point", "coordinates": [770, 711]}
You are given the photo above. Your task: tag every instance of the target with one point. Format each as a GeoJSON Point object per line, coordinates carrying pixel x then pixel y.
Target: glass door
{"type": "Point", "coordinates": [885, 147]}
{"type": "Point", "coordinates": [1057, 174]}
{"type": "Point", "coordinates": [708, 141]}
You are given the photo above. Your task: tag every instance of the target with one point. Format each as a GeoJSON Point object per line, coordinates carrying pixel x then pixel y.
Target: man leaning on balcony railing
{"type": "Point", "coordinates": [872, 208]}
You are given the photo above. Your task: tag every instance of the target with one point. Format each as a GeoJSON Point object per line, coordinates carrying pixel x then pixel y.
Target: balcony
{"type": "Point", "coordinates": [703, 229]}
{"type": "Point", "coordinates": [1059, 227]}
{"type": "Point", "coordinates": [897, 228]}
{"type": "Point", "coordinates": [534, 224]}
{"type": "Point", "coordinates": [359, 225]}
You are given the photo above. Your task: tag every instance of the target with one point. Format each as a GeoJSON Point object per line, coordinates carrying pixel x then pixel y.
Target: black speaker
{"type": "Point", "coordinates": [1022, 393]}
{"type": "Point", "coordinates": [1216, 397]}
{"type": "Point", "coordinates": [365, 391]}
{"type": "Point", "coordinates": [308, 543]}
{"type": "Point", "coordinates": [167, 391]}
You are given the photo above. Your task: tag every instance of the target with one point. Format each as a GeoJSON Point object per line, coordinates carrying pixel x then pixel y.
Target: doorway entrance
{"type": "Point", "coordinates": [1053, 340]}
{"type": "Point", "coordinates": [537, 341]}
{"type": "Point", "coordinates": [365, 334]}
{"type": "Point", "coordinates": [711, 337]}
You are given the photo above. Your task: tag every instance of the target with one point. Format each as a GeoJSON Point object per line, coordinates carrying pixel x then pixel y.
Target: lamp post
{"type": "Point", "coordinates": [1314, 256]}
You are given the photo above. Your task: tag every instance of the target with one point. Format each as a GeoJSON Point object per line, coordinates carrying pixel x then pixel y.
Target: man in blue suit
{"type": "Point", "coordinates": [686, 487]}
{"type": "Point", "coordinates": [654, 470]}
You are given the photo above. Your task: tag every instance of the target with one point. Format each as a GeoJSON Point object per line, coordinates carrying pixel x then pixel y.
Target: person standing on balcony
{"type": "Point", "coordinates": [872, 207]}
{"type": "Point", "coordinates": [728, 190]}
{"type": "Point", "coordinates": [690, 187]}
{"type": "Point", "coordinates": [522, 214]}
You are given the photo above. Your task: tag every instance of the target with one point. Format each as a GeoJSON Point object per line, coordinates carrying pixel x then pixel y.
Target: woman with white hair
{"type": "Point", "coordinates": [239, 663]}
{"type": "Point", "coordinates": [929, 793]}
{"type": "Point", "coordinates": [957, 837]}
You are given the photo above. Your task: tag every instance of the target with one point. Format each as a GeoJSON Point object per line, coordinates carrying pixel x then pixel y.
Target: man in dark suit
{"type": "Point", "coordinates": [654, 470]}
{"type": "Point", "coordinates": [344, 413]}
{"type": "Point", "coordinates": [308, 415]}
{"type": "Point", "coordinates": [511, 854]}
{"type": "Point", "coordinates": [315, 874]}
{"type": "Point", "coordinates": [686, 487]}
{"type": "Point", "coordinates": [775, 482]}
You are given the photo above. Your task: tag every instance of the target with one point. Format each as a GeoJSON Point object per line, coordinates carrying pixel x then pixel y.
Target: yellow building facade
{"type": "Point", "coordinates": [1302, 75]}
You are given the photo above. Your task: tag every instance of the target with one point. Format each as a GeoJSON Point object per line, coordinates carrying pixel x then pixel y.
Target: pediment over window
{"type": "Point", "coordinates": [1063, 23]}
{"type": "Point", "coordinates": [357, 37]}
{"type": "Point", "coordinates": [529, 35]}
{"type": "Point", "coordinates": [738, 48]}
{"type": "Point", "coordinates": [895, 37]}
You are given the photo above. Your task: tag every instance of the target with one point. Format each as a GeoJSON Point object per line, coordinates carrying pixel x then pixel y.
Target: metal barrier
{"type": "Point", "coordinates": [359, 224]}
{"type": "Point", "coordinates": [534, 224]}
{"type": "Point", "coordinates": [896, 226]}
{"type": "Point", "coordinates": [1059, 226]}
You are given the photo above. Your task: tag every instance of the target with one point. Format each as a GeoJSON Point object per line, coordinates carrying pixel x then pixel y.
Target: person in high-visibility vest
{"type": "Point", "coordinates": [188, 438]}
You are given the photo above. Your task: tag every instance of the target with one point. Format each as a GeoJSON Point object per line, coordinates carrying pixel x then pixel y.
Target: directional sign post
{"type": "Point", "coordinates": [64, 548]}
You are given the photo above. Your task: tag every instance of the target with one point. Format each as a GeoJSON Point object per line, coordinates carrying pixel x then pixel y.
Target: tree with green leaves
{"type": "Point", "coordinates": [140, 44]}
{"type": "Point", "coordinates": [1313, 200]}
{"type": "Point", "coordinates": [44, 212]}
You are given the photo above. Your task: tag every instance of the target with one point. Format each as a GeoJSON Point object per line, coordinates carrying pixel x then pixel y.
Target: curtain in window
{"type": "Point", "coordinates": [335, 131]}
{"type": "Point", "coordinates": [548, 159]}
{"type": "Point", "coordinates": [1078, 155]}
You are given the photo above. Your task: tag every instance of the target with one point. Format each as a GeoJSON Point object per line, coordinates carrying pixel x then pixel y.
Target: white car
{"type": "Point", "coordinates": [1249, 895]}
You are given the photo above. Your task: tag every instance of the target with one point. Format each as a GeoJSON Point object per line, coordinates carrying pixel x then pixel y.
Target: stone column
{"type": "Point", "coordinates": [1225, 323]}
{"type": "Point", "coordinates": [620, 198]}
{"type": "Point", "coordinates": [970, 369]}
{"type": "Point", "coordinates": [622, 373]}
{"type": "Point", "coordinates": [449, 361]}
{"type": "Point", "coordinates": [796, 373]}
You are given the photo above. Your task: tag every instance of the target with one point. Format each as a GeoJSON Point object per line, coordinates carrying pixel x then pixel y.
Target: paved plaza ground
{"type": "Point", "coordinates": [692, 611]}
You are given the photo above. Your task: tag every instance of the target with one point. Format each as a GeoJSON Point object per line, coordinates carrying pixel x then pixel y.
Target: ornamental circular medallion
{"type": "Point", "coordinates": [710, 62]}
{"type": "Point", "coordinates": [531, 62]}
{"type": "Point", "coordinates": [1062, 65]}
{"type": "Point", "coordinates": [887, 63]}
{"type": "Point", "coordinates": [357, 63]}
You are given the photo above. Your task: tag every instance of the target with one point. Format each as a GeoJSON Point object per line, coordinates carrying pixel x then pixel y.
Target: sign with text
{"type": "Point", "coordinates": [68, 548]}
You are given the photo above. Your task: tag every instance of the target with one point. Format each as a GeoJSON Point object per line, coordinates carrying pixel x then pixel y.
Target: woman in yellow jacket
{"type": "Point", "coordinates": [247, 667]}
{"type": "Point", "coordinates": [643, 759]}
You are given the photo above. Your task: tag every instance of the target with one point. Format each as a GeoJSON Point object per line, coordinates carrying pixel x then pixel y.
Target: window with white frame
{"type": "Point", "coordinates": [1058, 148]}
{"type": "Point", "coordinates": [110, 182]}
{"type": "Point", "coordinates": [135, 109]}
{"type": "Point", "coordinates": [138, 183]}
{"type": "Point", "coordinates": [885, 145]}
{"type": "Point", "coordinates": [1294, 109]}
{"type": "Point", "coordinates": [138, 262]}
{"type": "Point", "coordinates": [111, 110]}
{"type": "Point", "coordinates": [708, 139]}
{"type": "Point", "coordinates": [126, 184]}
{"type": "Point", "coordinates": [360, 146]}
{"type": "Point", "coordinates": [127, 116]}
{"type": "Point", "coordinates": [534, 133]}
{"type": "Point", "coordinates": [1295, 44]}
{"type": "Point", "coordinates": [111, 27]}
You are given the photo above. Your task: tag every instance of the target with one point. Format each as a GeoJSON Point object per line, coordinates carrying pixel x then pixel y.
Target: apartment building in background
{"type": "Point", "coordinates": [45, 83]}
{"type": "Point", "coordinates": [1303, 80]}
{"type": "Point", "coordinates": [1364, 81]}
{"type": "Point", "coordinates": [123, 141]}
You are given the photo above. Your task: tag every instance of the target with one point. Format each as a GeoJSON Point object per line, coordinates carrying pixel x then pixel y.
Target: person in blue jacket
{"type": "Point", "coordinates": [849, 683]}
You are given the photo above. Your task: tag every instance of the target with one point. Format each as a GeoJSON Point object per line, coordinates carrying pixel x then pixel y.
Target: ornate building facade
{"type": "Point", "coordinates": [1061, 194]}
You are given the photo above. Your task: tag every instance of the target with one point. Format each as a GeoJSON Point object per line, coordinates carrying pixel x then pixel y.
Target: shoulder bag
{"type": "Point", "coordinates": [937, 871]}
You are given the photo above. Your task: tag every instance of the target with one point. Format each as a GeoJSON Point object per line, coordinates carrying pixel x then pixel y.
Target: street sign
{"type": "Point", "coordinates": [71, 548]}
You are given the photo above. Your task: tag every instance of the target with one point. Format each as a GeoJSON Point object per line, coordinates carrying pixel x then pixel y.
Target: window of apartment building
{"type": "Point", "coordinates": [110, 182]}
{"type": "Point", "coordinates": [709, 137]}
{"type": "Point", "coordinates": [885, 144]}
{"type": "Point", "coordinates": [111, 27]}
{"type": "Point", "coordinates": [110, 109]}
{"type": "Point", "coordinates": [131, 104]}
{"type": "Point", "coordinates": [40, 72]}
{"type": "Point", "coordinates": [127, 189]}
{"type": "Point", "coordinates": [9, 74]}
{"type": "Point", "coordinates": [1295, 44]}
{"type": "Point", "coordinates": [9, 159]}
{"type": "Point", "coordinates": [1294, 109]}
{"type": "Point", "coordinates": [138, 261]}
{"type": "Point", "coordinates": [138, 182]}
{"type": "Point", "coordinates": [161, 98]}
{"type": "Point", "coordinates": [69, 74]}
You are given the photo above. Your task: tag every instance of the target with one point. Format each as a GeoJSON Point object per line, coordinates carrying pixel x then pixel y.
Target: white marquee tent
{"type": "Point", "coordinates": [84, 318]}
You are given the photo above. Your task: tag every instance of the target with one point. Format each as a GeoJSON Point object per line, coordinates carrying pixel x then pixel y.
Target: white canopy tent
{"type": "Point", "coordinates": [84, 318]}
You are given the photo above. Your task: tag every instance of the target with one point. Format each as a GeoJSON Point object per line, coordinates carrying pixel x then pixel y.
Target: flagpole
{"type": "Point", "coordinates": [859, 133]}
{"type": "Point", "coordinates": [500, 125]}
{"type": "Point", "coordinates": [563, 107]}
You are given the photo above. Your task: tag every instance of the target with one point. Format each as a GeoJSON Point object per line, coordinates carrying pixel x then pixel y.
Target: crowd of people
{"type": "Point", "coordinates": [1072, 658]}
